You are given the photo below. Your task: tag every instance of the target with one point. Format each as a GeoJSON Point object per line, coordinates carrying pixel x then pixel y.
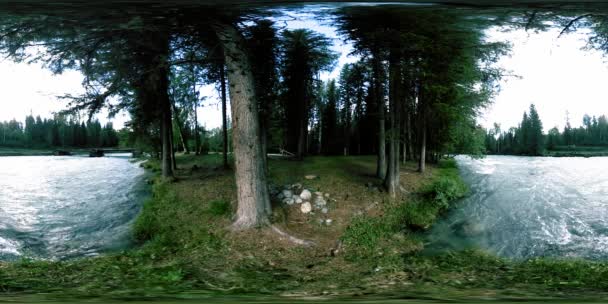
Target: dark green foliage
{"type": "Point", "coordinates": [304, 54]}
{"type": "Point", "coordinates": [444, 190]}
{"type": "Point", "coordinates": [528, 139]}
{"type": "Point", "coordinates": [57, 132]}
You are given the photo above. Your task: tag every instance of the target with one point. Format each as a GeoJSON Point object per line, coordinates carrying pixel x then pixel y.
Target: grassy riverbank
{"type": "Point", "coordinates": [373, 245]}
{"type": "Point", "coordinates": [24, 152]}
{"type": "Point", "coordinates": [577, 151]}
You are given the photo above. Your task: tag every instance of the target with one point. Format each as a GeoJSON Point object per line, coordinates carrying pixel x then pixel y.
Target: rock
{"type": "Point", "coordinates": [310, 176]}
{"type": "Point", "coordinates": [320, 201]}
{"type": "Point", "coordinates": [288, 200]}
{"type": "Point", "coordinates": [298, 200]}
{"type": "Point", "coordinates": [324, 210]}
{"type": "Point", "coordinates": [306, 207]}
{"type": "Point", "coordinates": [287, 193]}
{"type": "Point", "coordinates": [281, 196]}
{"type": "Point", "coordinates": [306, 195]}
{"type": "Point", "coordinates": [328, 222]}
{"type": "Point", "coordinates": [319, 193]}
{"type": "Point", "coordinates": [326, 195]}
{"type": "Point", "coordinates": [297, 187]}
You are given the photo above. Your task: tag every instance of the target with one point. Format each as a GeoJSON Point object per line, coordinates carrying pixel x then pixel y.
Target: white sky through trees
{"type": "Point", "coordinates": [556, 75]}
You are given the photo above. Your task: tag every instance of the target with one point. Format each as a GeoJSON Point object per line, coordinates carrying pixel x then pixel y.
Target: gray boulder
{"type": "Point", "coordinates": [306, 195]}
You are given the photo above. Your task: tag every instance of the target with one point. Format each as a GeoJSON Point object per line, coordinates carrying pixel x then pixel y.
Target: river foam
{"type": "Point", "coordinates": [523, 207]}
{"type": "Point", "coordinates": [64, 207]}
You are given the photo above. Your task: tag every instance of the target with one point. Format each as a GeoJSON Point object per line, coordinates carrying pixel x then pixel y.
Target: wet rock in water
{"type": "Point", "coordinates": [306, 207]}
{"type": "Point", "coordinates": [310, 177]}
{"type": "Point", "coordinates": [306, 195]}
{"type": "Point", "coordinates": [298, 200]}
{"type": "Point", "coordinates": [287, 193]}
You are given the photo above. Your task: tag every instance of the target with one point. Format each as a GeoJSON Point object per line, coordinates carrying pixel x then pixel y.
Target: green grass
{"type": "Point", "coordinates": [395, 229]}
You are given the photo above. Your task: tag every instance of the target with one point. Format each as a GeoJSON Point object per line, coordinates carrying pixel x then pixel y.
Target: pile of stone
{"type": "Point", "coordinates": [296, 194]}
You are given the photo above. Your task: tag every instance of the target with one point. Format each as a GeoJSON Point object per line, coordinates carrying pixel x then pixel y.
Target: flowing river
{"type": "Point", "coordinates": [57, 207]}
{"type": "Point", "coordinates": [523, 207]}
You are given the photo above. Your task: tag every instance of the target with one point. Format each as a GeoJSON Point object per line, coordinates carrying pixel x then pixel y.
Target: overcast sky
{"type": "Point", "coordinates": [556, 75]}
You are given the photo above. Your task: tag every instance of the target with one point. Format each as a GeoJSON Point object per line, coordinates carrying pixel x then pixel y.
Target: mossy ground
{"type": "Point", "coordinates": [373, 246]}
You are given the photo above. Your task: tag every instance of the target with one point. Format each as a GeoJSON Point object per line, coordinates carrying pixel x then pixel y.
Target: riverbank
{"type": "Point", "coordinates": [564, 151]}
{"type": "Point", "coordinates": [40, 152]}
{"type": "Point", "coordinates": [24, 152]}
{"type": "Point", "coordinates": [372, 246]}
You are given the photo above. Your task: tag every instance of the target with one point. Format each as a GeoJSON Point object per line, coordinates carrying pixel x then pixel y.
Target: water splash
{"type": "Point", "coordinates": [64, 207]}
{"type": "Point", "coordinates": [522, 207]}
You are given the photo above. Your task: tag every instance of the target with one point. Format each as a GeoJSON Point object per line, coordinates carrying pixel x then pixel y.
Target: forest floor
{"type": "Point", "coordinates": [373, 248]}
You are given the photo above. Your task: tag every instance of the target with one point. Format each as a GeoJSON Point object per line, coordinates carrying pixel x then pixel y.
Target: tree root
{"type": "Point", "coordinates": [293, 239]}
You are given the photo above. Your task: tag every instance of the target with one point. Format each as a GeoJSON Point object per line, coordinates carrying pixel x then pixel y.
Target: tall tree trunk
{"type": "Point", "coordinates": [180, 129]}
{"type": "Point", "coordinates": [408, 136]}
{"type": "Point", "coordinates": [166, 138]}
{"type": "Point", "coordinates": [197, 136]}
{"type": "Point", "coordinates": [301, 139]}
{"type": "Point", "coordinates": [381, 162]}
{"type": "Point", "coordinates": [347, 127]}
{"type": "Point", "coordinates": [252, 190]}
{"type": "Point", "coordinates": [391, 181]}
{"type": "Point", "coordinates": [224, 118]}
{"type": "Point", "coordinates": [422, 158]}
{"type": "Point", "coordinates": [173, 161]}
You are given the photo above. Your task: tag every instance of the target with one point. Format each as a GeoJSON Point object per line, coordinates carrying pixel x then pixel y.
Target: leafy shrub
{"type": "Point", "coordinates": [444, 190]}
{"type": "Point", "coordinates": [449, 163]}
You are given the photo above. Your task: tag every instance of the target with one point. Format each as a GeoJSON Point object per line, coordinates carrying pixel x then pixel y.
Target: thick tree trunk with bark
{"type": "Point", "coordinates": [391, 181]}
{"type": "Point", "coordinates": [378, 96]}
{"type": "Point", "coordinates": [252, 192]}
{"type": "Point", "coordinates": [166, 137]}
{"type": "Point", "coordinates": [156, 87]}
{"type": "Point", "coordinates": [224, 115]}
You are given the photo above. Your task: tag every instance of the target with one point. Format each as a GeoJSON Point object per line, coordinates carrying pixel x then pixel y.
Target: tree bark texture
{"type": "Point", "coordinates": [252, 192]}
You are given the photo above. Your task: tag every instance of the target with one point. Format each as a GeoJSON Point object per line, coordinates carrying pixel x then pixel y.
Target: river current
{"type": "Point", "coordinates": [523, 207]}
{"type": "Point", "coordinates": [57, 207]}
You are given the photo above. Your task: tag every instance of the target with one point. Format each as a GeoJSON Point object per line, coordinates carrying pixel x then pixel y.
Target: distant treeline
{"type": "Point", "coordinates": [528, 137]}
{"type": "Point", "coordinates": [57, 132]}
